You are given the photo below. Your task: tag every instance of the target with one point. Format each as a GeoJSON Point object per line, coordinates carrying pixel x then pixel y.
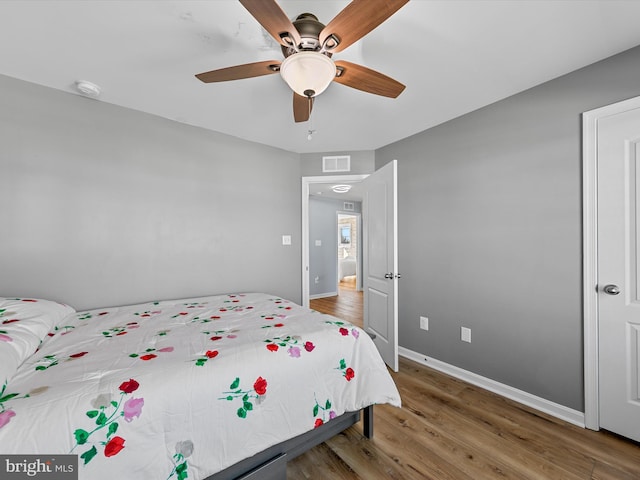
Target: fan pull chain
{"type": "Point", "coordinates": [311, 131]}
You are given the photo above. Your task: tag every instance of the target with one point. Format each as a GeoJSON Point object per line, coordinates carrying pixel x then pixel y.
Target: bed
{"type": "Point", "coordinates": [218, 387]}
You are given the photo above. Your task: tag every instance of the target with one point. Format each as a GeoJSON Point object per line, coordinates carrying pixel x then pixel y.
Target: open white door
{"type": "Point", "coordinates": [619, 271]}
{"type": "Point", "coordinates": [380, 257]}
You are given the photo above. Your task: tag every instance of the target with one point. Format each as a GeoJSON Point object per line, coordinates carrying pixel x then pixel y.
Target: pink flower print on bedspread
{"type": "Point", "coordinates": [343, 328]}
{"type": "Point", "coordinates": [220, 334]}
{"type": "Point", "coordinates": [6, 414]}
{"type": "Point", "coordinates": [294, 342]}
{"type": "Point", "coordinates": [148, 313]}
{"type": "Point", "coordinates": [247, 397]}
{"type": "Point", "coordinates": [105, 416]}
{"type": "Point", "coordinates": [325, 411]}
{"type": "Point", "coordinates": [132, 408]}
{"type": "Point", "coordinates": [61, 329]}
{"type": "Point", "coordinates": [120, 330]}
{"type": "Point", "coordinates": [149, 354]}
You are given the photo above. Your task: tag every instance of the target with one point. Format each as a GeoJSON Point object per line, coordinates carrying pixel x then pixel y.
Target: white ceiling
{"type": "Point", "coordinates": [454, 56]}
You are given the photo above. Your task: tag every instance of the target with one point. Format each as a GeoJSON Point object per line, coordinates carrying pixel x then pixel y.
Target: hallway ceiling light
{"type": "Point", "coordinates": [341, 188]}
{"type": "Point", "coordinates": [87, 89]}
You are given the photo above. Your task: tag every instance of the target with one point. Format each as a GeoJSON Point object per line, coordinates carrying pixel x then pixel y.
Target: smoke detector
{"type": "Point", "coordinates": [87, 89]}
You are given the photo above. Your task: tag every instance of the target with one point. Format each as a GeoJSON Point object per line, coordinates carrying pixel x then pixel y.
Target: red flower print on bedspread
{"type": "Point", "coordinates": [294, 342]}
{"type": "Point", "coordinates": [130, 386]}
{"type": "Point", "coordinates": [148, 353]}
{"type": "Point", "coordinates": [49, 361]}
{"type": "Point", "coordinates": [89, 315]}
{"type": "Point", "coordinates": [104, 416]}
{"type": "Point", "coordinates": [325, 411]}
{"type": "Point", "coordinates": [248, 397]}
{"type": "Point", "coordinates": [114, 446]}
{"type": "Point", "coordinates": [343, 328]}
{"type": "Point", "coordinates": [347, 372]}
{"type": "Point", "coordinates": [208, 355]}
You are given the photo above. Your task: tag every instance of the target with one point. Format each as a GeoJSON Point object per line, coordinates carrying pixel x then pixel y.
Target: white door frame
{"type": "Point", "coordinates": [590, 252]}
{"type": "Point", "coordinates": [306, 183]}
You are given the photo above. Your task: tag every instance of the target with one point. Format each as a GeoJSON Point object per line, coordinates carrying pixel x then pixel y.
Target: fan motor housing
{"type": "Point", "coordinates": [309, 28]}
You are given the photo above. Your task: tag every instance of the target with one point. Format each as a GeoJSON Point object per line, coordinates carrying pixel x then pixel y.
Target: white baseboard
{"type": "Point", "coordinates": [569, 415]}
{"type": "Point", "coordinates": [322, 295]}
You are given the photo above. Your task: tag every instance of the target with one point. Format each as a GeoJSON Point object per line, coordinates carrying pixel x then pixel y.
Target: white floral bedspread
{"type": "Point", "coordinates": [183, 389]}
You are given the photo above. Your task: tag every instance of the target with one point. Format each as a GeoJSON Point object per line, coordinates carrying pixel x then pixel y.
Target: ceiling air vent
{"type": "Point", "coordinates": [340, 163]}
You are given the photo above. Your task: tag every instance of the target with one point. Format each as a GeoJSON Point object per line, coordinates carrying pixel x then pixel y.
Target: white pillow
{"type": "Point", "coordinates": [24, 323]}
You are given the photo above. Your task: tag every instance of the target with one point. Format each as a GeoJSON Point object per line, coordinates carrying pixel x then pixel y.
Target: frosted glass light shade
{"type": "Point", "coordinates": [308, 73]}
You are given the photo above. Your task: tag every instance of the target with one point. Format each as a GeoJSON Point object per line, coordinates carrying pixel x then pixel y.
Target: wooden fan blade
{"type": "Point", "coordinates": [247, 70]}
{"type": "Point", "coordinates": [269, 14]}
{"type": "Point", "coordinates": [356, 20]}
{"type": "Point", "coordinates": [302, 107]}
{"type": "Point", "coordinates": [363, 78]}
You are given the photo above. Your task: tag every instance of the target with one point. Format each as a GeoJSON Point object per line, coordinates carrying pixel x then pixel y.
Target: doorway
{"type": "Point", "coordinates": [309, 183]}
{"type": "Point", "coordinates": [347, 302]}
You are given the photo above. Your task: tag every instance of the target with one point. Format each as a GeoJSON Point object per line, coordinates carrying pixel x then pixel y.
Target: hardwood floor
{"type": "Point", "coordinates": [346, 305]}
{"type": "Point", "coordinates": [450, 430]}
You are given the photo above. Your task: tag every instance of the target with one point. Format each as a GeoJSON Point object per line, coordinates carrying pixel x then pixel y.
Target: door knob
{"type": "Point", "coordinates": [611, 289]}
{"type": "Point", "coordinates": [388, 275]}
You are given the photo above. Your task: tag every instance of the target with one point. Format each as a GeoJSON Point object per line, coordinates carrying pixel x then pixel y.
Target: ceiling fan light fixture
{"type": "Point", "coordinates": [308, 73]}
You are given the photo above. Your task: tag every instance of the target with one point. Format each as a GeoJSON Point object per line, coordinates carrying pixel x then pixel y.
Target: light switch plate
{"type": "Point", "coordinates": [465, 334]}
{"type": "Point", "coordinates": [286, 239]}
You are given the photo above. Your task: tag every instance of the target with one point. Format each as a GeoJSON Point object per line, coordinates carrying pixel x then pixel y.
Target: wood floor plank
{"type": "Point", "coordinates": [366, 458]}
{"type": "Point", "coordinates": [322, 462]}
{"type": "Point", "coordinates": [432, 450]}
{"type": "Point", "coordinates": [603, 471]}
{"type": "Point", "coordinates": [448, 429]}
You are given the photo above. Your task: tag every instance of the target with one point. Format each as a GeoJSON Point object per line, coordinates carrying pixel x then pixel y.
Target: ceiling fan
{"type": "Point", "coordinates": [308, 46]}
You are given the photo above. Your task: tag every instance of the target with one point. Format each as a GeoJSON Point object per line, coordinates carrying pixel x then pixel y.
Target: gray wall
{"type": "Point", "coordinates": [490, 232]}
{"type": "Point", "coordinates": [323, 259]}
{"type": "Point", "coordinates": [102, 205]}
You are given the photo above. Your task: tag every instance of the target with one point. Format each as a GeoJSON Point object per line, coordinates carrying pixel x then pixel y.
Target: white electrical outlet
{"type": "Point", "coordinates": [465, 334]}
{"type": "Point", "coordinates": [424, 323]}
